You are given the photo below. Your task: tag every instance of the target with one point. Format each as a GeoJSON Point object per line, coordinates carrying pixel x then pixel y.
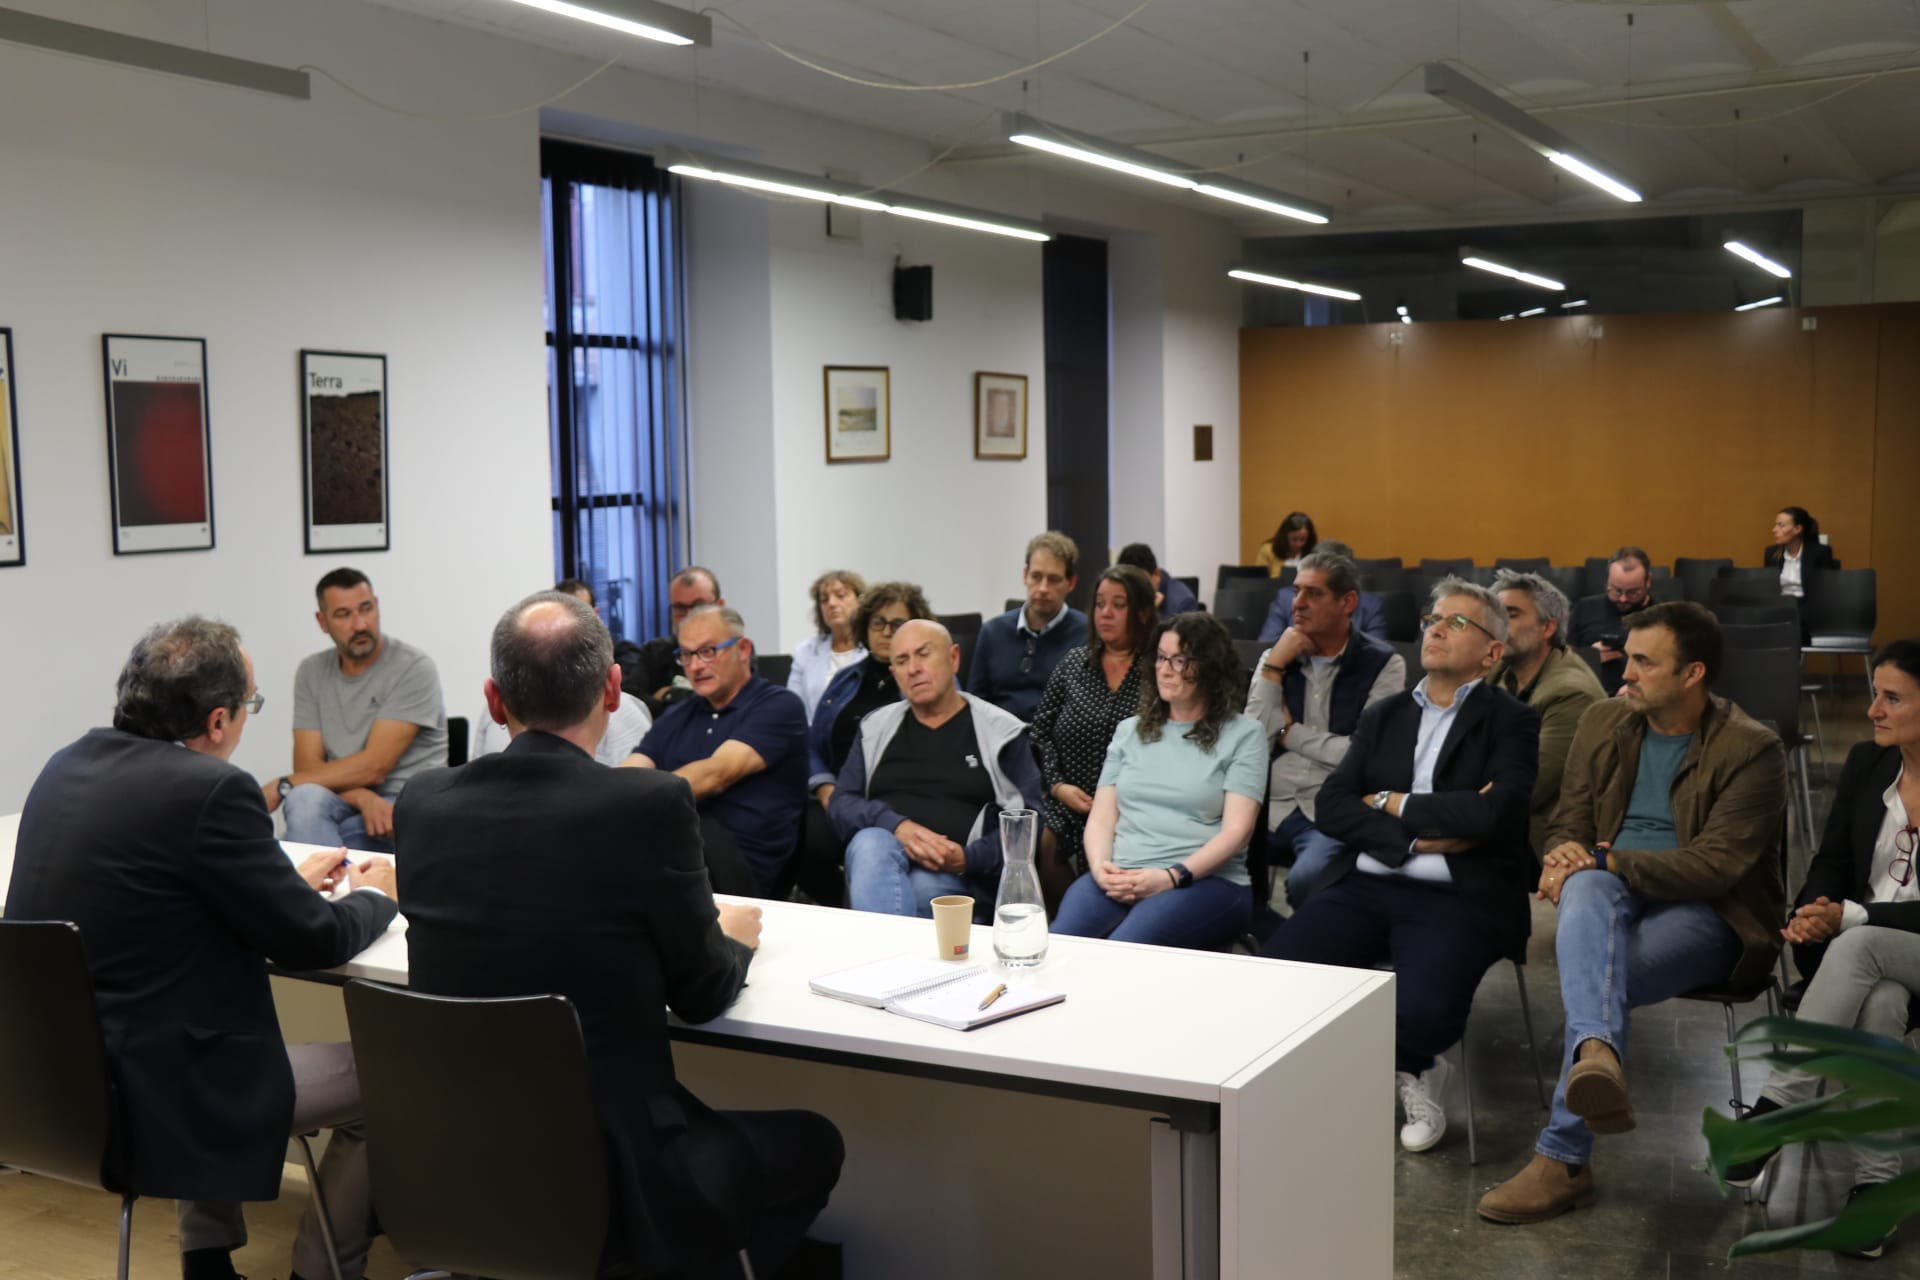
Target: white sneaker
{"type": "Point", "coordinates": [1420, 1101]}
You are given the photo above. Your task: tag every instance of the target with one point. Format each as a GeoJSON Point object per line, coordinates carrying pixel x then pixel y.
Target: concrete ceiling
{"type": "Point", "coordinates": [1702, 105]}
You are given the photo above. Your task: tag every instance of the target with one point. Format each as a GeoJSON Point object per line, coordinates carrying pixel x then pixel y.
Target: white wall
{"type": "Point", "coordinates": [138, 202]}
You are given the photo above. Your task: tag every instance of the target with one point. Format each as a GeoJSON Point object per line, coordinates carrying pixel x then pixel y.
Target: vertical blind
{"type": "Point", "coordinates": [613, 387]}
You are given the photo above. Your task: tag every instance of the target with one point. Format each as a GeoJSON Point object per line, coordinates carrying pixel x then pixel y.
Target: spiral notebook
{"type": "Point", "coordinates": [931, 990]}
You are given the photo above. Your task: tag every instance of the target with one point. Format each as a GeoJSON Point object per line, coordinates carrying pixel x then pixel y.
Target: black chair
{"type": "Point", "coordinates": [1591, 656]}
{"type": "Point", "coordinates": [1523, 564]}
{"type": "Point", "coordinates": [1409, 651]}
{"type": "Point", "coordinates": [1249, 602]}
{"type": "Point", "coordinates": [1593, 579]}
{"type": "Point", "coordinates": [1018, 602]}
{"type": "Point", "coordinates": [1694, 573]}
{"type": "Point", "coordinates": [1233, 574]}
{"type": "Point", "coordinates": [774, 668]}
{"type": "Point", "coordinates": [459, 740]}
{"type": "Point", "coordinates": [1727, 998]}
{"type": "Point", "coordinates": [57, 1102]}
{"type": "Point", "coordinates": [1841, 611]}
{"type": "Point", "coordinates": [463, 1182]}
{"type": "Point", "coordinates": [1746, 612]}
{"type": "Point", "coordinates": [1760, 635]}
{"type": "Point", "coordinates": [1765, 683]}
{"type": "Point", "coordinates": [1251, 652]}
{"type": "Point", "coordinates": [1570, 579]}
{"type": "Point", "coordinates": [1440, 568]}
{"type": "Point", "coordinates": [1379, 562]}
{"type": "Point", "coordinates": [1381, 581]}
{"type": "Point", "coordinates": [1193, 582]}
{"type": "Point", "coordinates": [1420, 586]}
{"type": "Point", "coordinates": [1403, 616]}
{"type": "Point", "coordinates": [960, 623]}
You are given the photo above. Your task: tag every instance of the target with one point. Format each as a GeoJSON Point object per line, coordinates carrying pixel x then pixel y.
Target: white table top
{"type": "Point", "coordinates": [1137, 1019]}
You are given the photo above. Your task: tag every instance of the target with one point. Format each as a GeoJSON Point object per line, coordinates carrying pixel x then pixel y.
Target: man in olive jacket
{"type": "Point", "coordinates": [1542, 672]}
{"type": "Point", "coordinates": [1663, 859]}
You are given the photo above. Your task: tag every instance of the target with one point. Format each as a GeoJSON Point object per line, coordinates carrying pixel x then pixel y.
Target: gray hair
{"type": "Point", "coordinates": [551, 676]}
{"type": "Point", "coordinates": [1342, 574]}
{"type": "Point", "coordinates": [177, 675]}
{"type": "Point", "coordinates": [1496, 616]}
{"type": "Point", "coordinates": [1549, 601]}
{"type": "Point", "coordinates": [1335, 546]}
{"type": "Point", "coordinates": [736, 625]}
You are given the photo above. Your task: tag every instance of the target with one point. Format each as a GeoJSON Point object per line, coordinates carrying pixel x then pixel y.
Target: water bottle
{"type": "Point", "coordinates": [1019, 912]}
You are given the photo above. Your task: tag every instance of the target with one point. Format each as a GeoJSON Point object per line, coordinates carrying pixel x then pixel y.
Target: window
{"type": "Point", "coordinates": [613, 384]}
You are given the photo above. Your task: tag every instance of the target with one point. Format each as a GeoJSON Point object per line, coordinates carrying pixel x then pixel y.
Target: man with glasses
{"type": "Point", "coordinates": [161, 852]}
{"type": "Point", "coordinates": [651, 672]}
{"type": "Point", "coordinates": [1600, 622]}
{"type": "Point", "coordinates": [1430, 806]}
{"type": "Point", "coordinates": [1663, 859]}
{"type": "Point", "coordinates": [367, 716]}
{"type": "Point", "coordinates": [741, 744]}
{"type": "Point", "coordinates": [1018, 650]}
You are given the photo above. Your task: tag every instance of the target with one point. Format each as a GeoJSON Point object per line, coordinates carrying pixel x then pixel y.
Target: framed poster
{"type": "Point", "coordinates": [1000, 415]}
{"type": "Point", "coordinates": [343, 451]}
{"type": "Point", "coordinates": [859, 417]}
{"type": "Point", "coordinates": [160, 465]}
{"type": "Point", "coordinates": [13, 542]}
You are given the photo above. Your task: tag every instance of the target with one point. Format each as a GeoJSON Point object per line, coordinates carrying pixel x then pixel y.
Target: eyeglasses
{"type": "Point", "coordinates": [254, 703]}
{"type": "Point", "coordinates": [1905, 842]}
{"type": "Point", "coordinates": [887, 625]}
{"type": "Point", "coordinates": [1456, 623]}
{"type": "Point", "coordinates": [1178, 662]}
{"type": "Point", "coordinates": [705, 653]}
{"type": "Point", "coordinates": [1626, 594]}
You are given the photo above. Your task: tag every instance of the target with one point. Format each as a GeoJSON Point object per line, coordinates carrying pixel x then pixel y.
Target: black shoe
{"type": "Point", "coordinates": [208, 1264]}
{"type": "Point", "coordinates": [1879, 1246]}
{"type": "Point", "coordinates": [1748, 1172]}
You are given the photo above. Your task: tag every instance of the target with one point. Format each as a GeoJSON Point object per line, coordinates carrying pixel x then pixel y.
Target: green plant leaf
{"type": "Point", "coordinates": [1820, 1036]}
{"type": "Point", "coordinates": [1864, 1222]}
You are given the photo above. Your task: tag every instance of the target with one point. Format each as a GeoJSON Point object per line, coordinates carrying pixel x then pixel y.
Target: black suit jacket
{"type": "Point", "coordinates": [1494, 738]}
{"type": "Point", "coordinates": [166, 860]}
{"type": "Point", "coordinates": [1839, 871]}
{"type": "Point", "coordinates": [1813, 555]}
{"type": "Point", "coordinates": [536, 870]}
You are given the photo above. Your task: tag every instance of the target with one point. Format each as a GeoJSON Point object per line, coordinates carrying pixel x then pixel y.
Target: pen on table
{"type": "Point", "coordinates": [993, 995]}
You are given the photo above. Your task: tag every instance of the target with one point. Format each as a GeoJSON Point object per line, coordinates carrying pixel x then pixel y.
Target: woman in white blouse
{"type": "Point", "coordinates": [1797, 549]}
{"type": "Point", "coordinates": [833, 646]}
{"type": "Point", "coordinates": [1857, 926]}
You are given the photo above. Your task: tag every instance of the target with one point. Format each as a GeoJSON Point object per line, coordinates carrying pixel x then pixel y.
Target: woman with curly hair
{"type": "Point", "coordinates": [1166, 843]}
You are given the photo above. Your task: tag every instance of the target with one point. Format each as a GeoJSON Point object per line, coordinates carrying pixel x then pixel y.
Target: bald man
{"type": "Point", "coordinates": [918, 802]}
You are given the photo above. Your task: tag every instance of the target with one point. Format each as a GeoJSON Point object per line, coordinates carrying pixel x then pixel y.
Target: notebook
{"type": "Point", "coordinates": [932, 990]}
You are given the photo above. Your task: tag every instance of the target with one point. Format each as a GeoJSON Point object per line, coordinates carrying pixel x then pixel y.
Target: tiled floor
{"type": "Point", "coordinates": [1658, 1216]}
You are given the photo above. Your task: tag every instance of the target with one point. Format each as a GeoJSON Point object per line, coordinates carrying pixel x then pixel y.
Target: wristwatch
{"type": "Point", "coordinates": [1378, 800]}
{"type": "Point", "coordinates": [1182, 877]}
{"type": "Point", "coordinates": [284, 787]}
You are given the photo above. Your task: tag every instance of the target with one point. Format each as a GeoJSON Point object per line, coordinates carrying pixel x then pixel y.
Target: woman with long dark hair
{"type": "Point", "coordinates": [1166, 840]}
{"type": "Point", "coordinates": [1295, 537]}
{"type": "Point", "coordinates": [1797, 550]}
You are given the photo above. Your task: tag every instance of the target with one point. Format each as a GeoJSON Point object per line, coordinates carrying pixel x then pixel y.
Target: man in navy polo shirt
{"type": "Point", "coordinates": [741, 744]}
{"type": "Point", "coordinates": [1019, 649]}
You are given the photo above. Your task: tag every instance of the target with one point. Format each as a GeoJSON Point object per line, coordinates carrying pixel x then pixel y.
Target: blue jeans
{"type": "Point", "coordinates": [316, 815]}
{"type": "Point", "coordinates": [1618, 951]}
{"type": "Point", "coordinates": [1207, 913]}
{"type": "Point", "coordinates": [1313, 852]}
{"type": "Point", "coordinates": [881, 877]}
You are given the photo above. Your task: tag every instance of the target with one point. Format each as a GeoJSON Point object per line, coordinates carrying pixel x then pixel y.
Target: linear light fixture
{"type": "Point", "coordinates": [1764, 302]}
{"type": "Point", "coordinates": [1532, 311]}
{"type": "Point", "coordinates": [1303, 286]}
{"type": "Point", "coordinates": [647, 19]}
{"type": "Point", "coordinates": [1757, 258]}
{"type": "Point", "coordinates": [1577, 302]}
{"type": "Point", "coordinates": [1406, 317]}
{"type": "Point", "coordinates": [1087, 149]}
{"type": "Point", "coordinates": [1464, 93]}
{"type": "Point", "coordinates": [151, 55]}
{"type": "Point", "coordinates": [803, 186]}
{"type": "Point", "coordinates": [1477, 261]}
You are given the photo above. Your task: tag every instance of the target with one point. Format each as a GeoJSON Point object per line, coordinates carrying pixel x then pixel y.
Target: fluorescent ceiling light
{"type": "Point", "coordinates": [1464, 93]}
{"type": "Point", "coordinates": [1508, 316]}
{"type": "Point", "coordinates": [1764, 302]}
{"type": "Point", "coordinates": [1513, 273]}
{"type": "Point", "coordinates": [1405, 316]}
{"type": "Point", "coordinates": [648, 19]}
{"type": "Point", "coordinates": [1577, 302]}
{"type": "Point", "coordinates": [1757, 258]}
{"type": "Point", "coordinates": [151, 55]}
{"type": "Point", "coordinates": [1281, 282]}
{"type": "Point", "coordinates": [801, 186]}
{"type": "Point", "coordinates": [1087, 149]}
{"type": "Point", "coordinates": [1532, 311]}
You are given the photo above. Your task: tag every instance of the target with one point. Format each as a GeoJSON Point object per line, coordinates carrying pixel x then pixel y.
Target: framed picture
{"type": "Point", "coordinates": [13, 542]}
{"type": "Point", "coordinates": [343, 451]}
{"type": "Point", "coordinates": [160, 464]}
{"type": "Point", "coordinates": [1000, 415]}
{"type": "Point", "coordinates": [859, 416]}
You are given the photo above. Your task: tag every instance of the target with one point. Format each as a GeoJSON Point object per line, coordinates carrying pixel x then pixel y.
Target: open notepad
{"type": "Point", "coordinates": [931, 990]}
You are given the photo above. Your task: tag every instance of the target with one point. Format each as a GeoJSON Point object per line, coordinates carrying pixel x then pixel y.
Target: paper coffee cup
{"type": "Point", "coordinates": [952, 925]}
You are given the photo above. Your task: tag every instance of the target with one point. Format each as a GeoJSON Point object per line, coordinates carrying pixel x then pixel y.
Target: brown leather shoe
{"type": "Point", "coordinates": [1597, 1089]}
{"type": "Point", "coordinates": [1544, 1189]}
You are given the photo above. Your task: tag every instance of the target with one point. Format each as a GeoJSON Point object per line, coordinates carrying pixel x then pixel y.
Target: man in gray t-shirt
{"type": "Point", "coordinates": [367, 716]}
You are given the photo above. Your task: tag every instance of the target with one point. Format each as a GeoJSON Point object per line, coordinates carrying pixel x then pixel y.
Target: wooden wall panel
{"type": "Point", "coordinates": [1895, 464]}
{"type": "Point", "coordinates": [1683, 433]}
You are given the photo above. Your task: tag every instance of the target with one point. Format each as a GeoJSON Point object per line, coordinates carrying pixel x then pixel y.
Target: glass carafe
{"type": "Point", "coordinates": [1019, 912]}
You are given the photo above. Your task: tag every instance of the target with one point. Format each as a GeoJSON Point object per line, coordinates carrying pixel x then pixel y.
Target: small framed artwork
{"type": "Point", "coordinates": [343, 451]}
{"type": "Point", "coordinates": [859, 416]}
{"type": "Point", "coordinates": [1000, 415]}
{"type": "Point", "coordinates": [159, 460]}
{"type": "Point", "coordinates": [13, 542]}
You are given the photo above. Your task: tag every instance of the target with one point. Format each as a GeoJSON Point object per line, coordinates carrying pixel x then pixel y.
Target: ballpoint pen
{"type": "Point", "coordinates": [993, 995]}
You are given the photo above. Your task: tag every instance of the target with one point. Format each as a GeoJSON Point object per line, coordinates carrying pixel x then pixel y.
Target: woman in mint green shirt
{"type": "Point", "coordinates": [1166, 843]}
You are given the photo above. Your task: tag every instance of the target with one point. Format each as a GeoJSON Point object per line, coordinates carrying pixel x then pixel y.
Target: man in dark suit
{"type": "Point", "coordinates": [535, 870]}
{"type": "Point", "coordinates": [163, 854]}
{"type": "Point", "coordinates": [1431, 805]}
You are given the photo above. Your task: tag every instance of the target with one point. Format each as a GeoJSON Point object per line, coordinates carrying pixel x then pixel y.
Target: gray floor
{"type": "Point", "coordinates": [1657, 1215]}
